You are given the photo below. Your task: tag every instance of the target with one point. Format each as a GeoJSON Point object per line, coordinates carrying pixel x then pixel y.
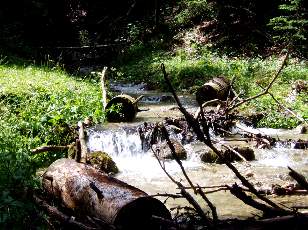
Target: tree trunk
{"type": "Point", "coordinates": [90, 192]}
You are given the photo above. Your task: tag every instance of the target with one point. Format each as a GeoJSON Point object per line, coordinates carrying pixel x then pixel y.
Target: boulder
{"type": "Point", "coordinates": [165, 152]}
{"type": "Point", "coordinates": [102, 161]}
{"type": "Point", "coordinates": [209, 156]}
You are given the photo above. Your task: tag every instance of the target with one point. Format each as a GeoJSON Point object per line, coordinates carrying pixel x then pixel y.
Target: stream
{"type": "Point", "coordinates": [141, 169]}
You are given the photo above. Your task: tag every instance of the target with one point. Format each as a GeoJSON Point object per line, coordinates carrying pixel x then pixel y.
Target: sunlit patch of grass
{"type": "Point", "coordinates": [47, 103]}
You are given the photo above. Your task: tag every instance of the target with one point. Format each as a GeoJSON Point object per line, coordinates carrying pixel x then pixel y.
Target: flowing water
{"type": "Point", "coordinates": [141, 169]}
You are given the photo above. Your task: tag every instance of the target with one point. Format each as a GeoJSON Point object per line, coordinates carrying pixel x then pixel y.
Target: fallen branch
{"type": "Point", "coordinates": [301, 180]}
{"type": "Point", "coordinates": [196, 190]}
{"type": "Point", "coordinates": [83, 145]}
{"type": "Point", "coordinates": [200, 136]}
{"type": "Point", "coordinates": [184, 193]}
{"type": "Point", "coordinates": [60, 216]}
{"type": "Point", "coordinates": [285, 108]}
{"type": "Point", "coordinates": [50, 148]}
{"type": "Point", "coordinates": [104, 92]}
{"type": "Point", "coordinates": [197, 113]}
{"type": "Point", "coordinates": [174, 196]}
{"type": "Point", "coordinates": [237, 191]}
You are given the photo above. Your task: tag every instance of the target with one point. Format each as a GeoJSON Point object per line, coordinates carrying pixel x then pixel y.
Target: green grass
{"type": "Point", "coordinates": [39, 106]}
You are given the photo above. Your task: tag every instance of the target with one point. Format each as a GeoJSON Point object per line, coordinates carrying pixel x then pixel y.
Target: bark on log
{"type": "Point", "coordinates": [88, 191]}
{"type": "Point", "coordinates": [217, 88]}
{"type": "Point", "coordinates": [125, 108]}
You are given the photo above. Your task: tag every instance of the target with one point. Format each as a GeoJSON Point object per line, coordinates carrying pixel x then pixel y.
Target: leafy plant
{"type": "Point", "coordinates": [291, 26]}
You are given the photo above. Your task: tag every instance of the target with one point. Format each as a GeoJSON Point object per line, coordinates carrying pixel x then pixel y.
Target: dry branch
{"type": "Point", "coordinates": [83, 145]}
{"type": "Point", "coordinates": [301, 180]}
{"type": "Point", "coordinates": [103, 86]}
{"type": "Point", "coordinates": [184, 193]}
{"type": "Point", "coordinates": [49, 148]}
{"type": "Point", "coordinates": [237, 191]}
{"type": "Point", "coordinates": [201, 136]}
{"type": "Point", "coordinates": [266, 90]}
{"type": "Point", "coordinates": [297, 116]}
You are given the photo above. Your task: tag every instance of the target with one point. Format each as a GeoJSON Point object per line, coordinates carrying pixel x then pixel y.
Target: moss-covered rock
{"type": "Point", "coordinates": [103, 161]}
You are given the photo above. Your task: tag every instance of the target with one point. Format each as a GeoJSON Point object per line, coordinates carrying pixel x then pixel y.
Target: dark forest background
{"type": "Point", "coordinates": [259, 26]}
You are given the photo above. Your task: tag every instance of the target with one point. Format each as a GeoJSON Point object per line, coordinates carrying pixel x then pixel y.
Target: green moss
{"type": "Point", "coordinates": [103, 161]}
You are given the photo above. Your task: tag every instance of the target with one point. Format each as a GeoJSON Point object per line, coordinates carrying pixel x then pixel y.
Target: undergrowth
{"type": "Point", "coordinates": [39, 106]}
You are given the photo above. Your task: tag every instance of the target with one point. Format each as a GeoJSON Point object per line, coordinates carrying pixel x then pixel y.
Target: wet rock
{"type": "Point", "coordinates": [102, 161]}
{"type": "Point", "coordinates": [209, 156]}
{"type": "Point", "coordinates": [302, 129]}
{"type": "Point", "coordinates": [245, 152]}
{"type": "Point", "coordinates": [165, 152]}
{"type": "Point", "coordinates": [301, 144]}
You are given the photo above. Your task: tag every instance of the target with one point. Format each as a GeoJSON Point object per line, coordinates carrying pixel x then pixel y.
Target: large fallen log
{"type": "Point", "coordinates": [87, 191]}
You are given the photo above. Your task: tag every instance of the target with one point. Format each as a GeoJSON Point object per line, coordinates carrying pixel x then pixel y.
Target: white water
{"type": "Point", "coordinates": [126, 150]}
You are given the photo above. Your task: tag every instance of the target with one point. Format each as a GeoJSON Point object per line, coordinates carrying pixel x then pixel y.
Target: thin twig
{"type": "Point", "coordinates": [103, 86]}
{"type": "Point", "coordinates": [49, 148]}
{"type": "Point", "coordinates": [184, 193]}
{"type": "Point", "coordinates": [265, 91]}
{"type": "Point", "coordinates": [284, 107]}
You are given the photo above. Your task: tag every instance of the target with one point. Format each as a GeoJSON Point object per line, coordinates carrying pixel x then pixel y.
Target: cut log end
{"type": "Point", "coordinates": [122, 108]}
{"type": "Point", "coordinates": [216, 88]}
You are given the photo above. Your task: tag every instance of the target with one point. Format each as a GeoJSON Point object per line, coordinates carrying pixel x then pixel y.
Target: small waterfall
{"type": "Point", "coordinates": [117, 143]}
{"type": "Point", "coordinates": [130, 154]}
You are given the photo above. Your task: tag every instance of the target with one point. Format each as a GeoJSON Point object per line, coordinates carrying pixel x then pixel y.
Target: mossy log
{"type": "Point", "coordinates": [87, 191]}
{"type": "Point", "coordinates": [122, 108]}
{"type": "Point", "coordinates": [216, 88]}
